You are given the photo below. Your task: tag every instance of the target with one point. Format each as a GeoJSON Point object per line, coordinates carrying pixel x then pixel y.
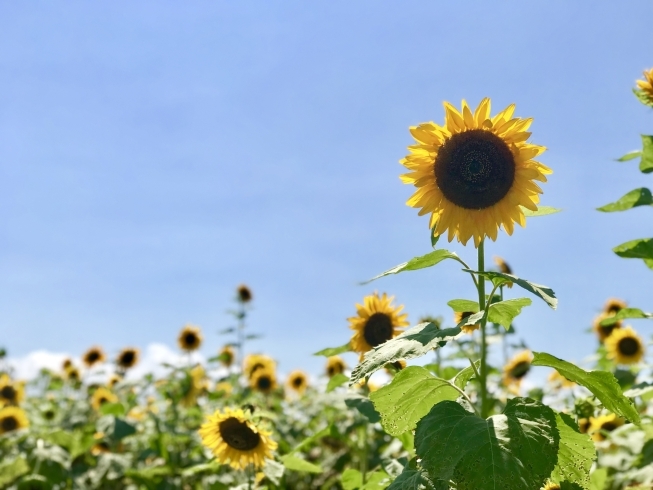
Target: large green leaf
{"type": "Point", "coordinates": [464, 305]}
{"type": "Point", "coordinates": [515, 450]}
{"type": "Point", "coordinates": [364, 406]}
{"type": "Point", "coordinates": [414, 479]}
{"type": "Point", "coordinates": [414, 342]}
{"type": "Point", "coordinates": [351, 479]}
{"type": "Point", "coordinates": [333, 351]}
{"type": "Point", "coordinates": [602, 384]}
{"type": "Point", "coordinates": [410, 396]}
{"type": "Point", "coordinates": [575, 455]}
{"type": "Point", "coordinates": [10, 470]}
{"type": "Point", "coordinates": [295, 463]}
{"type": "Point", "coordinates": [646, 163]}
{"type": "Point", "coordinates": [422, 262]}
{"type": "Point", "coordinates": [504, 312]}
{"type": "Point", "coordinates": [541, 211]}
{"type": "Point", "coordinates": [642, 248]}
{"type": "Point", "coordinates": [499, 278]}
{"type": "Point", "coordinates": [624, 314]}
{"type": "Point", "coordinates": [636, 197]}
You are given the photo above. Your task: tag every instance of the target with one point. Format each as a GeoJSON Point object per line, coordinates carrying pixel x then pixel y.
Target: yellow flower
{"type": "Point", "coordinates": [226, 356]}
{"type": "Point", "coordinates": [599, 426]}
{"type": "Point", "coordinates": [559, 381]}
{"type": "Point", "coordinates": [377, 321]}
{"type": "Point", "coordinates": [114, 380]}
{"type": "Point", "coordinates": [645, 86]}
{"type": "Point", "coordinates": [235, 440]}
{"type": "Point", "coordinates": [72, 374]}
{"type": "Point", "coordinates": [298, 381]}
{"type": "Point", "coordinates": [254, 362]}
{"type": "Point", "coordinates": [263, 380]}
{"type": "Point", "coordinates": [551, 486]}
{"type": "Point", "coordinates": [224, 387]}
{"type": "Point", "coordinates": [624, 346]}
{"type": "Point", "coordinates": [190, 338]}
{"type": "Point", "coordinates": [583, 425]}
{"type": "Point", "coordinates": [517, 368]}
{"type": "Point", "coordinates": [197, 385]}
{"type": "Point", "coordinates": [244, 294]}
{"type": "Point", "coordinates": [66, 364]}
{"type": "Point", "coordinates": [127, 358]}
{"type": "Point", "coordinates": [12, 418]}
{"type": "Point", "coordinates": [475, 173]}
{"type": "Point", "coordinates": [459, 316]}
{"type": "Point", "coordinates": [335, 365]}
{"type": "Point", "coordinates": [101, 396]}
{"type": "Point", "coordinates": [603, 332]}
{"type": "Point", "coordinates": [11, 393]}
{"type": "Point", "coordinates": [94, 355]}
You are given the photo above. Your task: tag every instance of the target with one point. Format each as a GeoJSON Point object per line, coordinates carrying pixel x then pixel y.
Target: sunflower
{"type": "Point", "coordinates": [196, 386]}
{"type": "Point", "coordinates": [517, 368]}
{"type": "Point", "coordinates": [613, 306]}
{"type": "Point", "coordinates": [503, 267]}
{"type": "Point", "coordinates": [11, 393]}
{"type": "Point", "coordinates": [475, 173]}
{"type": "Point", "coordinates": [190, 338]}
{"type": "Point", "coordinates": [377, 322]}
{"type": "Point", "coordinates": [244, 294]}
{"type": "Point", "coordinates": [559, 381]}
{"type": "Point", "coordinates": [66, 364]}
{"type": "Point", "coordinates": [72, 374]}
{"type": "Point", "coordinates": [459, 316]}
{"type": "Point", "coordinates": [93, 356]}
{"type": "Point", "coordinates": [254, 362]}
{"type": "Point", "coordinates": [263, 380]}
{"type": "Point", "coordinates": [298, 381]}
{"type": "Point", "coordinates": [604, 331]}
{"type": "Point", "coordinates": [127, 358]}
{"type": "Point", "coordinates": [114, 380]}
{"type": "Point", "coordinates": [437, 321]}
{"type": "Point", "coordinates": [12, 418]}
{"type": "Point", "coordinates": [395, 367]}
{"type": "Point", "coordinates": [624, 346]}
{"type": "Point", "coordinates": [583, 425]}
{"type": "Point", "coordinates": [227, 356]}
{"type": "Point", "coordinates": [645, 87]}
{"type": "Point", "coordinates": [599, 426]}
{"type": "Point", "coordinates": [225, 387]}
{"type": "Point", "coordinates": [551, 486]}
{"type": "Point", "coordinates": [235, 440]}
{"type": "Point", "coordinates": [335, 365]}
{"type": "Point", "coordinates": [101, 396]}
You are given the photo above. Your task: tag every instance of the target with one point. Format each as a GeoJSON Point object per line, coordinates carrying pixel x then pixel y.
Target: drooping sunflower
{"type": "Point", "coordinates": [93, 356]}
{"type": "Point", "coordinates": [517, 368]}
{"type": "Point", "coordinates": [624, 346]}
{"type": "Point", "coordinates": [254, 362]}
{"type": "Point", "coordinates": [475, 173]}
{"type": "Point", "coordinates": [603, 424]}
{"type": "Point", "coordinates": [335, 365]}
{"type": "Point", "coordinates": [298, 381]}
{"type": "Point", "coordinates": [613, 306]}
{"type": "Point", "coordinates": [236, 440]}
{"type": "Point", "coordinates": [604, 331]}
{"type": "Point", "coordinates": [459, 316]}
{"type": "Point", "coordinates": [227, 356]}
{"type": "Point", "coordinates": [377, 321]}
{"type": "Point", "coordinates": [645, 86]}
{"type": "Point", "coordinates": [263, 380]}
{"type": "Point", "coordinates": [190, 338]}
{"type": "Point", "coordinates": [244, 294]}
{"type": "Point", "coordinates": [101, 396]}
{"type": "Point", "coordinates": [11, 392]}
{"type": "Point", "coordinates": [127, 358]}
{"type": "Point", "coordinates": [12, 418]}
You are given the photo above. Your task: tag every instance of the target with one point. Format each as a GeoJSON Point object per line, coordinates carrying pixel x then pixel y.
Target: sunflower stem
{"type": "Point", "coordinates": [481, 304]}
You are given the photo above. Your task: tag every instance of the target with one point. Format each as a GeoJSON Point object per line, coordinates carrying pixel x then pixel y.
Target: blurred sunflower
{"type": "Point", "coordinates": [503, 267]}
{"type": "Point", "coordinates": [583, 425]}
{"type": "Point", "coordinates": [518, 367]}
{"type": "Point", "coordinates": [72, 374]}
{"type": "Point", "coordinates": [114, 380]}
{"type": "Point", "coordinates": [298, 381]}
{"type": "Point", "coordinates": [394, 367]}
{"type": "Point", "coordinates": [263, 380]}
{"type": "Point", "coordinates": [459, 316]}
{"type": "Point", "coordinates": [66, 364]}
{"type": "Point", "coordinates": [227, 356]}
{"type": "Point", "coordinates": [244, 294]}
{"type": "Point", "coordinates": [11, 392]}
{"type": "Point", "coordinates": [551, 486]}
{"type": "Point", "coordinates": [197, 384]}
{"type": "Point", "coordinates": [127, 358]}
{"type": "Point", "coordinates": [254, 362]}
{"type": "Point", "coordinates": [94, 355]}
{"type": "Point", "coordinates": [236, 440]}
{"type": "Point", "coordinates": [12, 418]}
{"type": "Point", "coordinates": [645, 86]}
{"type": "Point", "coordinates": [101, 447]}
{"type": "Point", "coordinates": [224, 387]}
{"type": "Point", "coordinates": [190, 338]}
{"type": "Point", "coordinates": [377, 321]}
{"type": "Point", "coordinates": [475, 173]}
{"type": "Point", "coordinates": [559, 381]}
{"type": "Point", "coordinates": [599, 426]}
{"type": "Point", "coordinates": [613, 306]}
{"type": "Point", "coordinates": [335, 365]}
{"type": "Point", "coordinates": [101, 396]}
{"type": "Point", "coordinates": [437, 321]}
{"type": "Point", "coordinates": [624, 346]}
{"type": "Point", "coordinates": [604, 331]}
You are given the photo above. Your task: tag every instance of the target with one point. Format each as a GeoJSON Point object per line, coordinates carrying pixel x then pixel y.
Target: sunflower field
{"type": "Point", "coordinates": [445, 415]}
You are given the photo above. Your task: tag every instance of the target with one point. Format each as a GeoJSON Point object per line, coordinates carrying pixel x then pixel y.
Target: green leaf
{"type": "Point", "coordinates": [504, 312]}
{"type": "Point", "coordinates": [643, 97]}
{"type": "Point", "coordinates": [335, 381]}
{"type": "Point", "coordinates": [115, 427]}
{"type": "Point", "coordinates": [462, 378]}
{"type": "Point", "coordinates": [636, 197]}
{"type": "Point", "coordinates": [541, 211]}
{"type": "Point", "coordinates": [624, 314]}
{"type": "Point", "coordinates": [514, 450]}
{"type": "Point", "coordinates": [422, 262]}
{"type": "Point", "coordinates": [413, 479]}
{"type": "Point", "coordinates": [273, 471]}
{"type": "Point", "coordinates": [598, 479]}
{"type": "Point", "coordinates": [10, 470]}
{"type": "Point", "coordinates": [630, 156]}
{"type": "Point", "coordinates": [575, 455]}
{"type": "Point", "coordinates": [410, 396]}
{"type": "Point", "coordinates": [312, 438]}
{"type": "Point", "coordinates": [364, 406]}
{"type": "Point", "coordinates": [642, 248]}
{"type": "Point", "coordinates": [295, 463]}
{"type": "Point", "coordinates": [351, 479]}
{"type": "Point", "coordinates": [499, 278]}
{"type": "Point", "coordinates": [333, 351]}
{"type": "Point", "coordinates": [602, 384]}
{"type": "Point", "coordinates": [116, 409]}
{"type": "Point", "coordinates": [414, 342]}
{"type": "Point", "coordinates": [639, 389]}
{"type": "Point", "coordinates": [646, 163]}
{"type": "Point", "coordinates": [376, 480]}
{"type": "Point", "coordinates": [463, 305]}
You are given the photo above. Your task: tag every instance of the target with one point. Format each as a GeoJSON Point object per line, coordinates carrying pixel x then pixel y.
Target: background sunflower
{"type": "Point", "coordinates": [190, 338]}
{"type": "Point", "coordinates": [12, 418]}
{"type": "Point", "coordinates": [624, 346]}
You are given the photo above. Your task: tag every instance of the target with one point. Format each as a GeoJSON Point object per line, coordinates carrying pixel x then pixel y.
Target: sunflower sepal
{"type": "Point", "coordinates": [421, 262]}
{"type": "Point", "coordinates": [625, 313]}
{"type": "Point", "coordinates": [498, 278]}
{"type": "Point", "coordinates": [643, 97]}
{"type": "Point", "coordinates": [334, 351]}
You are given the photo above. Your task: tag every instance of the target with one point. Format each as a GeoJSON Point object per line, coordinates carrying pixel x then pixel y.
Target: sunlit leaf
{"type": "Point", "coordinates": [422, 262]}
{"type": "Point", "coordinates": [462, 378]}
{"type": "Point", "coordinates": [640, 389]}
{"type": "Point", "coordinates": [642, 248]}
{"type": "Point", "coordinates": [636, 197]}
{"type": "Point", "coordinates": [538, 290]}
{"type": "Point", "coordinates": [624, 314]}
{"type": "Point", "coordinates": [335, 381]}
{"type": "Point", "coordinates": [333, 351]}
{"type": "Point", "coordinates": [504, 312]}
{"type": "Point", "coordinates": [646, 163]}
{"type": "Point", "coordinates": [295, 463]}
{"type": "Point", "coordinates": [463, 305]}
{"type": "Point", "coordinates": [351, 479]}
{"type": "Point", "coordinates": [575, 455]}
{"type": "Point", "coordinates": [273, 471]}
{"type": "Point", "coordinates": [10, 470]}
{"type": "Point", "coordinates": [541, 211]}
{"type": "Point", "coordinates": [631, 155]}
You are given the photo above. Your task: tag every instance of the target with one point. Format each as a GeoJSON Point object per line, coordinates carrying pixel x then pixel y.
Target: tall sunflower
{"type": "Point", "coordinates": [475, 173]}
{"type": "Point", "coordinates": [298, 381]}
{"type": "Point", "coordinates": [518, 367]}
{"type": "Point", "coordinates": [645, 86]}
{"type": "Point", "coordinates": [93, 356]}
{"type": "Point", "coordinates": [190, 338]}
{"type": "Point", "coordinates": [335, 365]}
{"type": "Point", "coordinates": [101, 396]}
{"type": "Point", "coordinates": [254, 362]}
{"type": "Point", "coordinates": [227, 356]}
{"type": "Point", "coordinates": [263, 380]}
{"type": "Point", "coordinates": [11, 419]}
{"type": "Point", "coordinates": [236, 440]}
{"type": "Point", "coordinates": [459, 316]}
{"type": "Point", "coordinates": [377, 321]}
{"type": "Point", "coordinates": [11, 392]}
{"type": "Point", "coordinates": [600, 426]}
{"type": "Point", "coordinates": [604, 331]}
{"type": "Point", "coordinates": [624, 346]}
{"type": "Point", "coordinates": [127, 358]}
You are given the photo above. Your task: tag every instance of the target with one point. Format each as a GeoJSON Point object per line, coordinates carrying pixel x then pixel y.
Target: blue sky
{"type": "Point", "coordinates": [154, 155]}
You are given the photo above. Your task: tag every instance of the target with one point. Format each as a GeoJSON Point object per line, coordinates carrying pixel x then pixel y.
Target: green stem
{"type": "Point", "coordinates": [363, 436]}
{"type": "Point", "coordinates": [481, 304]}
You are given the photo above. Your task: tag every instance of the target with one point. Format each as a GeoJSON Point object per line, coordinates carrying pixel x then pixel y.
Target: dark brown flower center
{"type": "Point", "coordinates": [474, 169]}
{"type": "Point", "coordinates": [8, 393]}
{"type": "Point", "coordinates": [127, 358]}
{"type": "Point", "coordinates": [520, 369]}
{"type": "Point", "coordinates": [628, 346]}
{"type": "Point", "coordinates": [48, 414]}
{"type": "Point", "coordinates": [244, 294]}
{"type": "Point", "coordinates": [238, 434]}
{"type": "Point", "coordinates": [264, 383]}
{"type": "Point", "coordinates": [378, 329]}
{"type": "Point", "coordinates": [9, 423]}
{"type": "Point", "coordinates": [92, 357]}
{"type": "Point", "coordinates": [609, 426]}
{"type": "Point", "coordinates": [297, 382]}
{"type": "Point", "coordinates": [102, 400]}
{"type": "Point", "coordinates": [190, 339]}
{"type": "Point", "coordinates": [607, 330]}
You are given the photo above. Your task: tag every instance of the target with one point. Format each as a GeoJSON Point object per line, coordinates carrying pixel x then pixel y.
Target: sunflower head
{"type": "Point", "coordinates": [335, 365]}
{"type": "Point", "coordinates": [583, 425]}
{"type": "Point", "coordinates": [72, 374]}
{"type": "Point", "coordinates": [517, 368]}
{"type": "Point", "coordinates": [600, 426]}
{"type": "Point", "coordinates": [11, 419]}
{"type": "Point", "coordinates": [227, 356]}
{"type": "Point", "coordinates": [263, 380]}
{"type": "Point", "coordinates": [297, 381]}
{"type": "Point", "coordinates": [11, 392]}
{"type": "Point", "coordinates": [93, 356]}
{"type": "Point", "coordinates": [101, 396]}
{"type": "Point", "coordinates": [190, 338]}
{"type": "Point", "coordinates": [613, 306]}
{"type": "Point", "coordinates": [645, 87]}
{"type": "Point", "coordinates": [127, 358]}
{"type": "Point", "coordinates": [376, 322]}
{"type": "Point", "coordinates": [225, 387]}
{"type": "Point", "coordinates": [551, 486]}
{"type": "Point", "coordinates": [66, 364]}
{"type": "Point", "coordinates": [474, 174]}
{"type": "Point", "coordinates": [236, 440]}
{"type": "Point", "coordinates": [114, 380]}
{"type": "Point", "coordinates": [254, 362]}
{"type": "Point", "coordinates": [624, 346]}
{"type": "Point", "coordinates": [437, 321]}
{"type": "Point", "coordinates": [244, 294]}
{"type": "Point", "coordinates": [459, 316]}
{"type": "Point", "coordinates": [503, 267]}
{"type": "Point", "coordinates": [601, 331]}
